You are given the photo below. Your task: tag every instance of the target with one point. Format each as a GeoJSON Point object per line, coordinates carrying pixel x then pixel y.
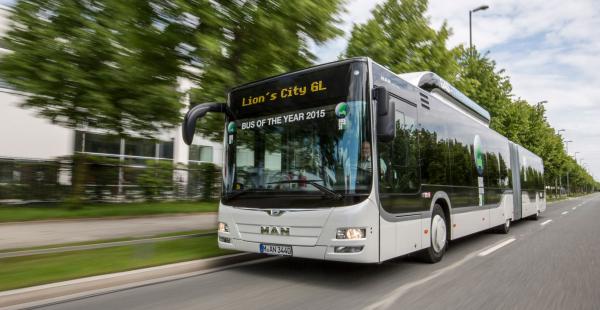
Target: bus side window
{"type": "Point", "coordinates": [398, 171]}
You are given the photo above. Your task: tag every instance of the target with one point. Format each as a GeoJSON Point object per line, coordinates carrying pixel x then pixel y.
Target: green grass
{"type": "Point", "coordinates": [32, 270]}
{"type": "Point", "coordinates": [60, 245]}
{"type": "Point", "coordinates": [59, 211]}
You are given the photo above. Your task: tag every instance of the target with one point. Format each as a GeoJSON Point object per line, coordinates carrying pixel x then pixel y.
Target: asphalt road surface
{"type": "Point", "coordinates": [552, 263]}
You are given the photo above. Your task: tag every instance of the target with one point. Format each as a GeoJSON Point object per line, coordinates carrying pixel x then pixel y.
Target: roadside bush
{"type": "Point", "coordinates": [156, 179]}
{"type": "Point", "coordinates": [204, 179]}
{"type": "Point", "coordinates": [30, 180]}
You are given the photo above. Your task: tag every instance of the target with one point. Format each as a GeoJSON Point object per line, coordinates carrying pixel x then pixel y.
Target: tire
{"type": "Point", "coordinates": [504, 228]}
{"type": "Point", "coordinates": [438, 235]}
{"type": "Point", "coordinates": [534, 217]}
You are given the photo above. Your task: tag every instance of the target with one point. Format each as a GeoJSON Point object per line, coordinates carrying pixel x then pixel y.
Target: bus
{"type": "Point", "coordinates": [347, 161]}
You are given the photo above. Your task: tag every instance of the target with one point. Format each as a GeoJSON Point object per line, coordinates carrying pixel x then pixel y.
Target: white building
{"type": "Point", "coordinates": [28, 136]}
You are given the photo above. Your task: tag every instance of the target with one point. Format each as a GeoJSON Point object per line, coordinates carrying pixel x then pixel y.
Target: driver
{"type": "Point", "coordinates": [365, 156]}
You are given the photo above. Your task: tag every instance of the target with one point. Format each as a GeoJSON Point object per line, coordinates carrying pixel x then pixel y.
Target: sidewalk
{"type": "Point", "coordinates": [30, 234]}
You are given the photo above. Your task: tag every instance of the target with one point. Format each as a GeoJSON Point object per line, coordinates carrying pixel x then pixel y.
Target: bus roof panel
{"type": "Point", "coordinates": [429, 81]}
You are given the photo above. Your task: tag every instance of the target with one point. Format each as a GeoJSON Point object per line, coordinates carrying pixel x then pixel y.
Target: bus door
{"type": "Point", "coordinates": [399, 182]}
{"type": "Point", "coordinates": [515, 166]}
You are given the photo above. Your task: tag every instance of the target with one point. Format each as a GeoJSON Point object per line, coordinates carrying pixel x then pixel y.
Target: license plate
{"type": "Point", "coordinates": [276, 249]}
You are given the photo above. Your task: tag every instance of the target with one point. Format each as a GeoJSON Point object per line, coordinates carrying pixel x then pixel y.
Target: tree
{"type": "Point", "coordinates": [107, 64]}
{"type": "Point", "coordinates": [518, 120]}
{"type": "Point", "coordinates": [480, 80]}
{"type": "Point", "coordinates": [399, 36]}
{"type": "Point", "coordinates": [263, 38]}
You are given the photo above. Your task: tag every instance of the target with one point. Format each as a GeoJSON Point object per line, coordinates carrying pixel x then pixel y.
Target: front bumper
{"type": "Point", "coordinates": [322, 252]}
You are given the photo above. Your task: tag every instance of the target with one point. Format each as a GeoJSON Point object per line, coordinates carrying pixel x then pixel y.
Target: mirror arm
{"type": "Point", "coordinates": [198, 111]}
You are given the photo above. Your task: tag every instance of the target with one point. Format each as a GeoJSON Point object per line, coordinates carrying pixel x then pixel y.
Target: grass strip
{"type": "Point", "coordinates": [39, 269]}
{"type": "Point", "coordinates": [59, 211]}
{"type": "Point", "coordinates": [91, 242]}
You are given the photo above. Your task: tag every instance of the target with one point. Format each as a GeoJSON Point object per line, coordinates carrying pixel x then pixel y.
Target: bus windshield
{"type": "Point", "coordinates": [312, 142]}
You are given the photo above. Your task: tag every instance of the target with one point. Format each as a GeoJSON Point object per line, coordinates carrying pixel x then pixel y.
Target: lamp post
{"type": "Point", "coordinates": [575, 156]}
{"type": "Point", "coordinates": [560, 171]}
{"type": "Point", "coordinates": [567, 146]}
{"type": "Point", "coordinates": [479, 8]}
{"type": "Point", "coordinates": [585, 167]}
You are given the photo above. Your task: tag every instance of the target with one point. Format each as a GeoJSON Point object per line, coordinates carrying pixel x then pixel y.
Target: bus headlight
{"type": "Point", "coordinates": [351, 233]}
{"type": "Point", "coordinates": [223, 227]}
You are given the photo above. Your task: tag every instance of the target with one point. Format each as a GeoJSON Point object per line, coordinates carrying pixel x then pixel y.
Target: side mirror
{"type": "Point", "coordinates": [196, 112]}
{"type": "Point", "coordinates": [386, 115]}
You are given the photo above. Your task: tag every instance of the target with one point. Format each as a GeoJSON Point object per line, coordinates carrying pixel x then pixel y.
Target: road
{"type": "Point", "coordinates": [37, 233]}
{"type": "Point", "coordinates": [552, 263]}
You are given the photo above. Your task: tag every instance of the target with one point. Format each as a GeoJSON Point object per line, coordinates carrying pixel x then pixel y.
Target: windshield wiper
{"type": "Point", "coordinates": [244, 191]}
{"type": "Point", "coordinates": [314, 183]}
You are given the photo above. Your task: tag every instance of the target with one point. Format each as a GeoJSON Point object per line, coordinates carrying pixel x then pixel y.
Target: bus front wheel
{"type": "Point", "coordinates": [438, 236]}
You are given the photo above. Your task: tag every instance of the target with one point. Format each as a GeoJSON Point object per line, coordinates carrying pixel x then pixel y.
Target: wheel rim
{"type": "Point", "coordinates": [438, 233]}
{"type": "Point", "coordinates": [507, 225]}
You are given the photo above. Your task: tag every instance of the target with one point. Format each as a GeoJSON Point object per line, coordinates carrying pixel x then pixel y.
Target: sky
{"type": "Point", "coordinates": [549, 48]}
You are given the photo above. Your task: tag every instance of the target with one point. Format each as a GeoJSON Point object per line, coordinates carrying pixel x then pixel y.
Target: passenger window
{"type": "Point", "coordinates": [399, 159]}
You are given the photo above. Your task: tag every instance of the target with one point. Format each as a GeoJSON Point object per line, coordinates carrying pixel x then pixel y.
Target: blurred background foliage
{"type": "Point", "coordinates": [115, 65]}
{"type": "Point", "coordinates": [103, 179]}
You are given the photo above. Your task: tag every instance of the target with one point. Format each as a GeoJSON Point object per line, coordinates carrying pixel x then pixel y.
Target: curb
{"type": "Point", "coordinates": [58, 292]}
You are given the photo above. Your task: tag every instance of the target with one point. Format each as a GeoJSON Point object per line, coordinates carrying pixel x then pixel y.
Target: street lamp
{"type": "Point", "coordinates": [567, 145]}
{"type": "Point", "coordinates": [575, 155]}
{"type": "Point", "coordinates": [479, 8]}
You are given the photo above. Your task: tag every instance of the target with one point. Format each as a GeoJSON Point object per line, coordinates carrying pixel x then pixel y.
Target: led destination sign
{"type": "Point", "coordinates": [284, 93]}
{"type": "Point", "coordinates": [307, 89]}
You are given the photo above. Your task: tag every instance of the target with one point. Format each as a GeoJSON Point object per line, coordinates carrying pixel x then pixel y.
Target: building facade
{"type": "Point", "coordinates": [28, 137]}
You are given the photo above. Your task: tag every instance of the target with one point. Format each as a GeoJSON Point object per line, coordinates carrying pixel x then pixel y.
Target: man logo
{"type": "Point", "coordinates": [275, 230]}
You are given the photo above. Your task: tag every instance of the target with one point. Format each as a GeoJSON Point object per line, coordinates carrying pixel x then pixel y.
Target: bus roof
{"type": "Point", "coordinates": [430, 81]}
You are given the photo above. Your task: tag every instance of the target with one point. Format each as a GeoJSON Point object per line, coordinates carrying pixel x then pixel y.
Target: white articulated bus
{"type": "Point", "coordinates": [348, 161]}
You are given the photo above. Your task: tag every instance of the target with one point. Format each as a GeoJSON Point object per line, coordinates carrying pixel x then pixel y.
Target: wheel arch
{"type": "Point", "coordinates": [443, 200]}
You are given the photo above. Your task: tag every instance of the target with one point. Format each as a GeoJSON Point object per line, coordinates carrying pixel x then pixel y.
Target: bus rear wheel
{"type": "Point", "coordinates": [437, 235]}
{"type": "Point", "coordinates": [504, 228]}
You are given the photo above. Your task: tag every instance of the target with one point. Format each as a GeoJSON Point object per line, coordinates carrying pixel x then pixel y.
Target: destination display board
{"type": "Point", "coordinates": [302, 90]}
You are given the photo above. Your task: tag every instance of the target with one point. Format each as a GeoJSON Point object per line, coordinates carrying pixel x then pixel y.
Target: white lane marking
{"type": "Point", "coordinates": [389, 300]}
{"type": "Point", "coordinates": [546, 222]}
{"type": "Point", "coordinates": [565, 212]}
{"type": "Point", "coordinates": [497, 246]}
{"type": "Point", "coordinates": [394, 295]}
{"type": "Point", "coordinates": [574, 208]}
